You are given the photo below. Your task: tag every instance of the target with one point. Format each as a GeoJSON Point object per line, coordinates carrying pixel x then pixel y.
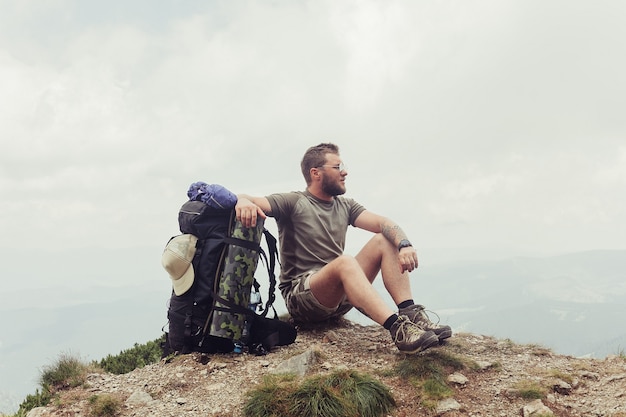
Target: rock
{"type": "Point", "coordinates": [38, 412]}
{"type": "Point", "coordinates": [590, 375]}
{"type": "Point", "coordinates": [138, 398]}
{"type": "Point", "coordinates": [215, 387]}
{"type": "Point", "coordinates": [447, 405]}
{"type": "Point", "coordinates": [298, 365]}
{"type": "Point", "coordinates": [562, 387]}
{"type": "Point", "coordinates": [458, 378]}
{"type": "Point", "coordinates": [331, 337]}
{"type": "Point", "coordinates": [614, 378]}
{"type": "Point", "coordinates": [484, 365]}
{"type": "Point", "coordinates": [536, 408]}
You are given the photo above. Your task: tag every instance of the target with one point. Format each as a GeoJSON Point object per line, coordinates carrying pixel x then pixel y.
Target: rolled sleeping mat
{"type": "Point", "coordinates": [232, 292]}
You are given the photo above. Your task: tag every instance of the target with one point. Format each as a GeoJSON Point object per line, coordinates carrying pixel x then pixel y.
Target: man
{"type": "Point", "coordinates": [318, 281]}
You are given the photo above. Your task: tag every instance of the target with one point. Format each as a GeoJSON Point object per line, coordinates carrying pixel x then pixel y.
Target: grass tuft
{"type": "Point", "coordinates": [339, 394]}
{"type": "Point", "coordinates": [556, 373]}
{"type": "Point", "coordinates": [427, 373]}
{"type": "Point", "coordinates": [529, 390]}
{"type": "Point", "coordinates": [267, 399]}
{"type": "Point", "coordinates": [431, 364]}
{"type": "Point", "coordinates": [104, 405]}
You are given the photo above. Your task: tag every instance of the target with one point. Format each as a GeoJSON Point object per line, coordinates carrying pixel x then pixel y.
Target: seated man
{"type": "Point", "coordinates": [318, 281]}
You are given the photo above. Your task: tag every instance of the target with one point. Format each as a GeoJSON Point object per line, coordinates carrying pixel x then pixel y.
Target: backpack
{"type": "Point", "coordinates": [222, 310]}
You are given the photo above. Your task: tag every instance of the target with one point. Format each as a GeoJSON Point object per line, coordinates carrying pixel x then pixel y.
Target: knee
{"type": "Point", "coordinates": [347, 263]}
{"type": "Point", "coordinates": [382, 243]}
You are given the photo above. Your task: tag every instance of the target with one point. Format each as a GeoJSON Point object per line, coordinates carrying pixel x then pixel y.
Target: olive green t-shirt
{"type": "Point", "coordinates": [311, 232]}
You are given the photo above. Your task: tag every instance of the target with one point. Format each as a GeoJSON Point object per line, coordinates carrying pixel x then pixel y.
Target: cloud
{"type": "Point", "coordinates": [468, 124]}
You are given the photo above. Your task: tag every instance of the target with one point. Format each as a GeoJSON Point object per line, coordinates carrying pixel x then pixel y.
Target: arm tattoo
{"type": "Point", "coordinates": [393, 233]}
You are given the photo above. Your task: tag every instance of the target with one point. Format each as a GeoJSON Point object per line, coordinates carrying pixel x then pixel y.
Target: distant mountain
{"type": "Point", "coordinates": [574, 303]}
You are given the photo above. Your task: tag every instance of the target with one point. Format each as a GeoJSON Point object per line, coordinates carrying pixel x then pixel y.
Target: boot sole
{"type": "Point", "coordinates": [444, 335]}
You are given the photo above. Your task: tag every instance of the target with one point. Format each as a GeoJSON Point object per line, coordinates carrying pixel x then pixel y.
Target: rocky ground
{"type": "Point", "coordinates": [215, 385]}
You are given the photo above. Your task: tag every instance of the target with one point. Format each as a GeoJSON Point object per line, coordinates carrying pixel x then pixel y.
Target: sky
{"type": "Point", "coordinates": [484, 128]}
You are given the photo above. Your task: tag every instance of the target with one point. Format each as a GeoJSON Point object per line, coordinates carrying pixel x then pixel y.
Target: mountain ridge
{"type": "Point", "coordinates": [488, 384]}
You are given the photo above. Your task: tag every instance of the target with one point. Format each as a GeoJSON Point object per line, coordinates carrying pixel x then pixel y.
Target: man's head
{"type": "Point", "coordinates": [324, 163]}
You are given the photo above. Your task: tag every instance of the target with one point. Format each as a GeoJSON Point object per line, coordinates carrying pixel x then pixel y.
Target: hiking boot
{"type": "Point", "coordinates": [409, 338]}
{"type": "Point", "coordinates": [417, 315]}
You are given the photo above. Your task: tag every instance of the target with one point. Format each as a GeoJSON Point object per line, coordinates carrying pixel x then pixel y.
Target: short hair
{"type": "Point", "coordinates": [315, 157]}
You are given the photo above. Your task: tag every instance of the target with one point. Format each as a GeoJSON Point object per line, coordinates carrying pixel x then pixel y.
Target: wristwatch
{"type": "Point", "coordinates": [404, 244]}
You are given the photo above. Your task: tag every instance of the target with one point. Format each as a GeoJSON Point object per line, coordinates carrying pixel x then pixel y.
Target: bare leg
{"type": "Point", "coordinates": [344, 276]}
{"type": "Point", "coordinates": [380, 255]}
{"type": "Point", "coordinates": [352, 277]}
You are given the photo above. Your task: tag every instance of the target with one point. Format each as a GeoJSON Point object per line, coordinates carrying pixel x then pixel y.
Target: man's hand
{"type": "Point", "coordinates": [247, 212]}
{"type": "Point", "coordinates": [408, 259]}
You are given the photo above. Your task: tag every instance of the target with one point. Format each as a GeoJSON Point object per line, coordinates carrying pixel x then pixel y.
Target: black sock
{"type": "Point", "coordinates": [390, 321]}
{"type": "Point", "coordinates": [405, 304]}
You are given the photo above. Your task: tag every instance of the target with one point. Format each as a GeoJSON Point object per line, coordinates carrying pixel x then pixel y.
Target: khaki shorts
{"type": "Point", "coordinates": [304, 307]}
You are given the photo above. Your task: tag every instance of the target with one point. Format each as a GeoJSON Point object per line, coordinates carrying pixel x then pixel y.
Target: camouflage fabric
{"type": "Point", "coordinates": [236, 282]}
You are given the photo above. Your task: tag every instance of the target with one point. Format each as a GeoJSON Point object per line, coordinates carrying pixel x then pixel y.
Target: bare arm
{"type": "Point", "coordinates": [378, 224]}
{"type": "Point", "coordinates": [407, 257]}
{"type": "Point", "coordinates": [248, 208]}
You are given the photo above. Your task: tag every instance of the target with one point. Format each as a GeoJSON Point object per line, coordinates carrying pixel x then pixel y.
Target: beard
{"type": "Point", "coordinates": [333, 188]}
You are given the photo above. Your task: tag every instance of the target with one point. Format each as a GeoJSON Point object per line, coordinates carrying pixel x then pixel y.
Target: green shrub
{"type": "Point", "coordinates": [39, 399]}
{"type": "Point", "coordinates": [136, 357]}
{"type": "Point", "coordinates": [67, 371]}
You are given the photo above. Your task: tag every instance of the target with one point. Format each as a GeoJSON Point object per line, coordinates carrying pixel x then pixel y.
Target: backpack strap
{"type": "Point", "coordinates": [218, 274]}
{"type": "Point", "coordinates": [189, 310]}
{"type": "Point", "coordinates": [272, 248]}
{"type": "Point", "coordinates": [243, 243]}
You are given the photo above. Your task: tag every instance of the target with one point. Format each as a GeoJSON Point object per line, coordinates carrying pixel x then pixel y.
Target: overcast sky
{"type": "Point", "coordinates": [496, 125]}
